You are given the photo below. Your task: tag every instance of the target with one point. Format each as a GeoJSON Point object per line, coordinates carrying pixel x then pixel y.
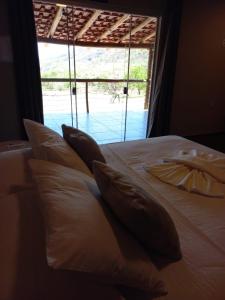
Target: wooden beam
{"type": "Point", "coordinates": [92, 44]}
{"type": "Point", "coordinates": [148, 85]}
{"type": "Point", "coordinates": [138, 28]}
{"type": "Point", "coordinates": [88, 24]}
{"type": "Point", "coordinates": [56, 21]}
{"type": "Point", "coordinates": [150, 36]}
{"type": "Point", "coordinates": [114, 26]}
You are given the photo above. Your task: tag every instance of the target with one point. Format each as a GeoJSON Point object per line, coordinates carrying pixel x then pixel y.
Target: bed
{"type": "Point", "coordinates": [200, 222]}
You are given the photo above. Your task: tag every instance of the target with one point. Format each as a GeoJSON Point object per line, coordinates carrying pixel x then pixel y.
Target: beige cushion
{"type": "Point", "coordinates": [14, 171]}
{"type": "Point", "coordinates": [49, 145]}
{"type": "Point", "coordinates": [85, 146]}
{"type": "Point", "coordinates": [145, 218]}
{"type": "Point", "coordinates": [83, 236]}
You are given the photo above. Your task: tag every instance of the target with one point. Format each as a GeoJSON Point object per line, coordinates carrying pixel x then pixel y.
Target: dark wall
{"type": "Point", "coordinates": [199, 93]}
{"type": "Point", "coordinates": [8, 110]}
{"type": "Point", "coordinates": [142, 7]}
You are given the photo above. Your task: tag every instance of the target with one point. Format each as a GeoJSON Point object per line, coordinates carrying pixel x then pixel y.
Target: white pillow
{"type": "Point", "coordinates": [24, 272]}
{"type": "Point", "coordinates": [83, 236]}
{"type": "Point", "coordinates": [49, 145]}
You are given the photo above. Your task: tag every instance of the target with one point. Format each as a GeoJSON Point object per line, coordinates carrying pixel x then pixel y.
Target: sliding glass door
{"type": "Point", "coordinates": [100, 92]}
{"type": "Point", "coordinates": [96, 78]}
{"type": "Point", "coordinates": [55, 85]}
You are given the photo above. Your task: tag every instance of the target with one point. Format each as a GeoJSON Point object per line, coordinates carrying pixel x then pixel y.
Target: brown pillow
{"type": "Point", "coordinates": [85, 146]}
{"type": "Point", "coordinates": [145, 218]}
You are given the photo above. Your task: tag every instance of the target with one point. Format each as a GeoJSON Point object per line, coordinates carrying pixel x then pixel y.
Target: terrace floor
{"type": "Point", "coordinates": [105, 121]}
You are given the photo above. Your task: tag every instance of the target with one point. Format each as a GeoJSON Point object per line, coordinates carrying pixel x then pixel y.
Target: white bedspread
{"type": "Point", "coordinates": [200, 220]}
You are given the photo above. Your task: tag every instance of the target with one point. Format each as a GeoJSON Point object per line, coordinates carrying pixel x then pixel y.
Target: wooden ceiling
{"type": "Point", "coordinates": [57, 23]}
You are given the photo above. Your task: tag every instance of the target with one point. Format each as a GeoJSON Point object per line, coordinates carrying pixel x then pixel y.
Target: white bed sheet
{"type": "Point", "coordinates": [200, 220]}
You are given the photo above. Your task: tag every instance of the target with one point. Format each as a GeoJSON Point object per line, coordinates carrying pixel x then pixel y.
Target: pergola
{"type": "Point", "coordinates": [56, 23]}
{"type": "Point", "coordinates": [65, 24]}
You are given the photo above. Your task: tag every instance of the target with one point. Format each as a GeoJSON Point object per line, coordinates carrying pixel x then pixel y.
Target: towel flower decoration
{"type": "Point", "coordinates": [192, 171]}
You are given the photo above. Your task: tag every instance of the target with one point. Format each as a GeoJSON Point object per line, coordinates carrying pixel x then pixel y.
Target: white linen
{"type": "Point", "coordinates": [200, 220]}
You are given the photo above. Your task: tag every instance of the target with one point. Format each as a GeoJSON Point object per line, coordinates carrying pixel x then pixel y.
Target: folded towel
{"type": "Point", "coordinates": [192, 171]}
{"type": "Point", "coordinates": [202, 162]}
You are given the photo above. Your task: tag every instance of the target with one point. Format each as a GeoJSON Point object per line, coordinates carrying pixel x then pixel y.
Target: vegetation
{"type": "Point", "coordinates": [111, 64]}
{"type": "Point", "coordinates": [140, 73]}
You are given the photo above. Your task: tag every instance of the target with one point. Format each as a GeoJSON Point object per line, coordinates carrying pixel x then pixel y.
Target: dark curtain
{"type": "Point", "coordinates": [164, 69]}
{"type": "Point", "coordinates": [26, 61]}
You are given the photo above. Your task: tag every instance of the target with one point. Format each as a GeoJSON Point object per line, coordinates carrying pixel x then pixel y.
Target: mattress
{"type": "Point", "coordinates": [200, 220]}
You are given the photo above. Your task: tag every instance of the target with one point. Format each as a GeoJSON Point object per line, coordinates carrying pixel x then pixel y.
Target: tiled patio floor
{"type": "Point", "coordinates": [105, 121]}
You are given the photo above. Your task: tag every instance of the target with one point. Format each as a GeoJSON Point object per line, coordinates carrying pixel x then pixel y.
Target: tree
{"type": "Point", "coordinates": [139, 73]}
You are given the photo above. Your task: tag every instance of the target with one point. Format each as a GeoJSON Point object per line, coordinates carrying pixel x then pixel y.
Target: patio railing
{"type": "Point", "coordinates": [99, 80]}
